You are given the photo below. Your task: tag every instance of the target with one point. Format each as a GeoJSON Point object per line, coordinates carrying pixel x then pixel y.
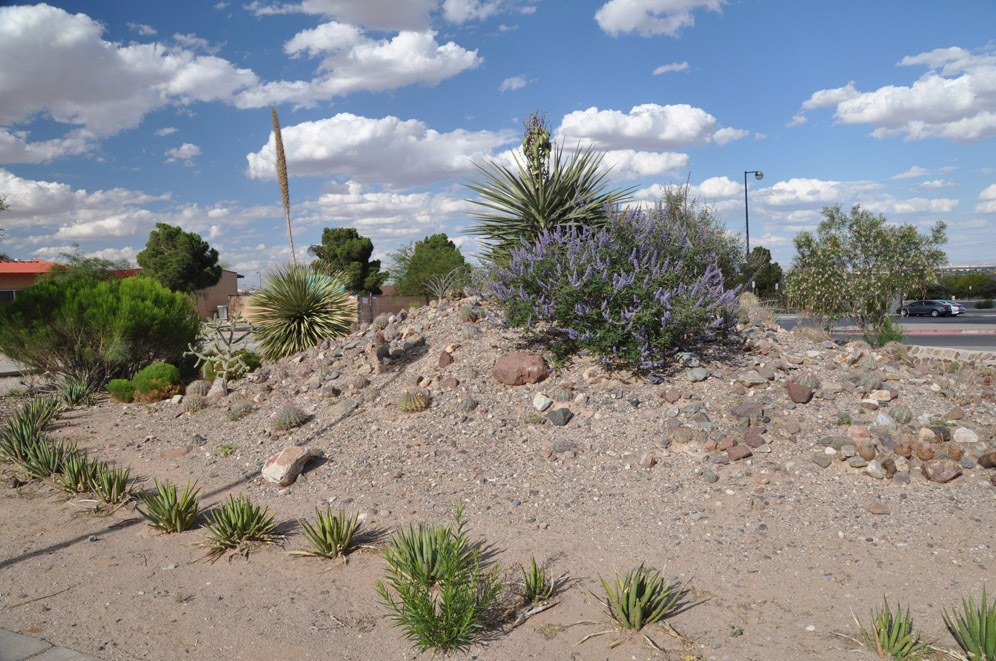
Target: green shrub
{"type": "Point", "coordinates": [121, 390]}
{"type": "Point", "coordinates": [437, 589]}
{"type": "Point", "coordinates": [885, 333]}
{"type": "Point", "coordinates": [155, 377]}
{"type": "Point", "coordinates": [631, 292]}
{"type": "Point", "coordinates": [298, 309]}
{"type": "Point", "coordinates": [96, 330]}
{"type": "Point", "coordinates": [984, 304]}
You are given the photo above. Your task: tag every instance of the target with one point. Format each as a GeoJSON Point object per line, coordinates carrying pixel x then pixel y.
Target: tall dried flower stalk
{"type": "Point", "coordinates": [282, 178]}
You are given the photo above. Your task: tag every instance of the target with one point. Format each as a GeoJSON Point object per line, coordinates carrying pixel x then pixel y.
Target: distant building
{"type": "Point", "coordinates": [15, 276]}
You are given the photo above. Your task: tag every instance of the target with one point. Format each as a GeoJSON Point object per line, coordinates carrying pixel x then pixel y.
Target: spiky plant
{"type": "Point", "coordinates": [78, 474]}
{"type": "Point", "coordinates": [536, 587]}
{"type": "Point", "coordinates": [520, 205]}
{"type": "Point", "coordinates": [974, 628]}
{"type": "Point", "coordinates": [413, 401]}
{"type": "Point", "coordinates": [111, 483]}
{"type": "Point", "coordinates": [298, 309]}
{"type": "Point", "coordinates": [237, 525]}
{"type": "Point", "coordinates": [282, 177]}
{"type": "Point", "coordinates": [76, 391]}
{"type": "Point", "coordinates": [47, 457]}
{"type": "Point", "coordinates": [332, 534]}
{"type": "Point", "coordinates": [891, 634]}
{"type": "Point", "coordinates": [240, 411]}
{"type": "Point", "coordinates": [468, 314]}
{"type": "Point", "coordinates": [640, 598]}
{"type": "Point", "coordinates": [39, 412]}
{"type": "Point", "coordinates": [437, 589]}
{"type": "Point", "coordinates": [194, 403]}
{"type": "Point", "coordinates": [288, 417]}
{"type": "Point", "coordinates": [17, 437]}
{"type": "Point", "coordinates": [166, 512]}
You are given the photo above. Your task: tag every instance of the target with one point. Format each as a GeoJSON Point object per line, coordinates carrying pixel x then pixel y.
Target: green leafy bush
{"type": "Point", "coordinates": [96, 330]}
{"type": "Point", "coordinates": [437, 588]}
{"type": "Point", "coordinates": [298, 309]}
{"type": "Point", "coordinates": [155, 379]}
{"type": "Point", "coordinates": [631, 292]}
{"type": "Point", "coordinates": [121, 390]}
{"type": "Point", "coordinates": [883, 334]}
{"type": "Point", "coordinates": [984, 304]}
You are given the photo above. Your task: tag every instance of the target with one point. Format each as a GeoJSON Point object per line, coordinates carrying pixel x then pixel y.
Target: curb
{"type": "Point", "coordinates": [971, 331]}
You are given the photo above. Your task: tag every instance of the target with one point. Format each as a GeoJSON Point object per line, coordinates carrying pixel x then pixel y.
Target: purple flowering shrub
{"type": "Point", "coordinates": [630, 292]}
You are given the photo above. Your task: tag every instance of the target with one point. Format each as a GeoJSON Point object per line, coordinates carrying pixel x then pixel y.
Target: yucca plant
{"type": "Point", "coordinates": [297, 309]}
{"type": "Point", "coordinates": [78, 391]}
{"type": "Point", "coordinates": [332, 534]}
{"type": "Point", "coordinates": [891, 634]}
{"type": "Point", "coordinates": [78, 474]}
{"type": "Point", "coordinates": [536, 587]}
{"type": "Point", "coordinates": [437, 589]}
{"type": "Point", "coordinates": [111, 483]}
{"type": "Point", "coordinates": [523, 202]}
{"type": "Point", "coordinates": [640, 598]}
{"type": "Point", "coordinates": [40, 411]}
{"type": "Point", "coordinates": [237, 525]}
{"type": "Point", "coordinates": [17, 437]}
{"type": "Point", "coordinates": [975, 628]}
{"type": "Point", "coordinates": [168, 513]}
{"type": "Point", "coordinates": [47, 457]}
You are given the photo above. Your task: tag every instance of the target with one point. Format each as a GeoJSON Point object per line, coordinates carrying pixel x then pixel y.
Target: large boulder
{"type": "Point", "coordinates": [520, 368]}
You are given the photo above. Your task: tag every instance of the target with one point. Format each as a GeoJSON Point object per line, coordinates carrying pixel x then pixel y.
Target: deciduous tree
{"type": "Point", "coordinates": [415, 264]}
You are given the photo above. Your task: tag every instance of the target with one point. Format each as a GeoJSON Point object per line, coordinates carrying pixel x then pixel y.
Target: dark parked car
{"type": "Point", "coordinates": [933, 308]}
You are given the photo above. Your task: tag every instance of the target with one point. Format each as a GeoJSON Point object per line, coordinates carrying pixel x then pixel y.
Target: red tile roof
{"type": "Point", "coordinates": [30, 267]}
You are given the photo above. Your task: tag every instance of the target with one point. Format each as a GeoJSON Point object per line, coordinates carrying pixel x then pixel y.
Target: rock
{"type": "Point", "coordinates": [924, 452]}
{"type": "Point", "coordinates": [885, 420]}
{"type": "Point", "coordinates": [445, 359]}
{"type": "Point", "coordinates": [672, 395]}
{"type": "Point", "coordinates": [449, 383]}
{"type": "Point", "coordinates": [941, 470]}
{"type": "Point", "coordinates": [858, 433]}
{"type": "Point", "coordinates": [942, 432]}
{"type": "Point", "coordinates": [955, 414]}
{"type": "Point", "coordinates": [881, 396]}
{"type": "Point", "coordinates": [857, 462]}
{"type": "Point", "coordinates": [988, 460]}
{"type": "Point", "coordinates": [965, 435]}
{"type": "Point", "coordinates": [560, 417]}
{"type": "Point", "coordinates": [901, 477]}
{"type": "Point", "coordinates": [284, 467]}
{"type": "Point", "coordinates": [867, 451]}
{"type": "Point", "coordinates": [747, 410]}
{"type": "Point", "coordinates": [647, 460]}
{"type": "Point", "coordinates": [874, 469]}
{"type": "Point", "coordinates": [709, 476]}
{"type": "Point", "coordinates": [218, 389]}
{"type": "Point", "coordinates": [869, 404]}
{"type": "Point", "coordinates": [697, 374]}
{"type": "Point", "coordinates": [822, 460]}
{"type": "Point", "coordinates": [752, 379]}
{"type": "Point", "coordinates": [753, 439]}
{"type": "Point", "coordinates": [798, 393]}
{"type": "Point", "coordinates": [541, 402]}
{"type": "Point", "coordinates": [520, 368]}
{"type": "Point", "coordinates": [878, 508]}
{"type": "Point", "coordinates": [738, 452]}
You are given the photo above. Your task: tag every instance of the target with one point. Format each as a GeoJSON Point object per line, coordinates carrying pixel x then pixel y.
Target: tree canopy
{"type": "Point", "coordinates": [857, 265]}
{"type": "Point", "coordinates": [343, 249]}
{"type": "Point", "coordinates": [763, 274]}
{"type": "Point", "coordinates": [414, 265]}
{"type": "Point", "coordinates": [79, 266]}
{"type": "Point", "coordinates": [179, 260]}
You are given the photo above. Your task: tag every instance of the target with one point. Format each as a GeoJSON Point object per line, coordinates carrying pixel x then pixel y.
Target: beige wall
{"type": "Point", "coordinates": [211, 298]}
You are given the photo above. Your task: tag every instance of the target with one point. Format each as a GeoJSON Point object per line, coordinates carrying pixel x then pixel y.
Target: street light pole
{"type": "Point", "coordinates": [759, 176]}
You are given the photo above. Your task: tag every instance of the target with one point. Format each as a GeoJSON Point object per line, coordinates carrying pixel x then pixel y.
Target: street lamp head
{"type": "Point", "coordinates": [312, 251]}
{"type": "Point", "coordinates": [759, 175]}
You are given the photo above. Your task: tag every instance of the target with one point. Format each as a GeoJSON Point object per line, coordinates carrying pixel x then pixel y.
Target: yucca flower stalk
{"type": "Point", "coordinates": [282, 178]}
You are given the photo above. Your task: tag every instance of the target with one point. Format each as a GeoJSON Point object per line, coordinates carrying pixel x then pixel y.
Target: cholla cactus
{"type": "Point", "coordinates": [413, 401]}
{"type": "Point", "coordinates": [219, 345]}
{"type": "Point", "coordinates": [288, 417]}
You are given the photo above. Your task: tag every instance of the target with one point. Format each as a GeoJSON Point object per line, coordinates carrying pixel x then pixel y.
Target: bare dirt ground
{"type": "Point", "coordinates": [776, 550]}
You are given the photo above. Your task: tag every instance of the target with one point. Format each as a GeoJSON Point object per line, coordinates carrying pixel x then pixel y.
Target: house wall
{"type": "Point", "coordinates": [17, 281]}
{"type": "Point", "coordinates": [208, 302]}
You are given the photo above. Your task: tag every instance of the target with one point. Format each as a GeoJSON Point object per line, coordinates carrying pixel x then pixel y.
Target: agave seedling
{"type": "Point", "coordinates": [236, 524]}
{"type": "Point", "coordinates": [640, 598]}
{"type": "Point", "coordinates": [332, 534]}
{"type": "Point", "coordinates": [975, 628]}
{"type": "Point", "coordinates": [891, 634]}
{"type": "Point", "coordinates": [168, 513]}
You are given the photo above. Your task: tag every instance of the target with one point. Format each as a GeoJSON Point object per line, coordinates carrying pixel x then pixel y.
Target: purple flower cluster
{"type": "Point", "coordinates": [629, 292]}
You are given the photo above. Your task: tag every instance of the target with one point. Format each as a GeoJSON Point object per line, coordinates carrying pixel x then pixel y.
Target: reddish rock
{"type": "Point", "coordinates": [738, 452]}
{"type": "Point", "coordinates": [795, 360]}
{"type": "Point", "coordinates": [176, 453]}
{"type": "Point", "coordinates": [878, 508]}
{"type": "Point", "coordinates": [955, 414]}
{"type": "Point", "coordinates": [858, 433]}
{"type": "Point", "coordinates": [284, 467]}
{"type": "Point", "coordinates": [445, 359]}
{"type": "Point", "coordinates": [753, 439]}
{"type": "Point", "coordinates": [672, 395]}
{"type": "Point", "coordinates": [520, 368]}
{"type": "Point", "coordinates": [941, 470]}
{"type": "Point", "coordinates": [647, 460]}
{"type": "Point", "coordinates": [988, 460]}
{"type": "Point", "coordinates": [924, 452]}
{"type": "Point", "coordinates": [799, 394]}
{"type": "Point", "coordinates": [449, 383]}
{"type": "Point", "coordinates": [727, 443]}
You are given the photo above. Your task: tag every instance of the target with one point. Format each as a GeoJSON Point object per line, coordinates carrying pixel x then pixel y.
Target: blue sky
{"type": "Point", "coordinates": [119, 114]}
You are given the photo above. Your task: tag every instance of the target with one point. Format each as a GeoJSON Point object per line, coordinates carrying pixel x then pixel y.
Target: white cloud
{"type": "Point", "coordinates": [674, 66]}
{"type": "Point", "coordinates": [651, 17]}
{"type": "Point", "coordinates": [934, 184]}
{"type": "Point", "coordinates": [987, 200]}
{"type": "Point", "coordinates": [144, 30]}
{"type": "Point", "coordinates": [797, 120]}
{"type": "Point", "coordinates": [628, 164]}
{"type": "Point", "coordinates": [727, 135]}
{"type": "Point", "coordinates": [185, 152]}
{"type": "Point", "coordinates": [717, 187]}
{"type": "Point", "coordinates": [166, 130]}
{"type": "Point", "coordinates": [513, 83]}
{"type": "Point", "coordinates": [193, 42]}
{"type": "Point", "coordinates": [912, 173]}
{"type": "Point", "coordinates": [462, 11]}
{"type": "Point", "coordinates": [15, 148]}
{"type": "Point", "coordinates": [354, 62]}
{"type": "Point", "coordinates": [69, 73]}
{"type": "Point", "coordinates": [647, 126]}
{"type": "Point", "coordinates": [388, 15]}
{"type": "Point", "coordinates": [955, 99]}
{"type": "Point", "coordinates": [387, 151]}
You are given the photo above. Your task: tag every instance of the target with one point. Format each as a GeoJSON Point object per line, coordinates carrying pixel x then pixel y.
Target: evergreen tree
{"type": "Point", "coordinates": [179, 260]}
{"type": "Point", "coordinates": [415, 264]}
{"type": "Point", "coordinates": [343, 249]}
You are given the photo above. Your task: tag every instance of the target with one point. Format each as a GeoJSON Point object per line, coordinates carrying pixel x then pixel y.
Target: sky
{"type": "Point", "coordinates": [117, 115]}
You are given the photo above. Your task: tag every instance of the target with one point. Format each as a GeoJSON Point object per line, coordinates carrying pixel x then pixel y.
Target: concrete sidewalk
{"type": "Point", "coordinates": [15, 647]}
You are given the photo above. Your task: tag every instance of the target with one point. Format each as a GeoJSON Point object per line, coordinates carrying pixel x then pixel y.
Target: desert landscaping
{"type": "Point", "coordinates": [782, 480]}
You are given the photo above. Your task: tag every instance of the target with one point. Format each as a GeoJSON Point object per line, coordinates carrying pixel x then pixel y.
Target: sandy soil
{"type": "Point", "coordinates": [776, 553]}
